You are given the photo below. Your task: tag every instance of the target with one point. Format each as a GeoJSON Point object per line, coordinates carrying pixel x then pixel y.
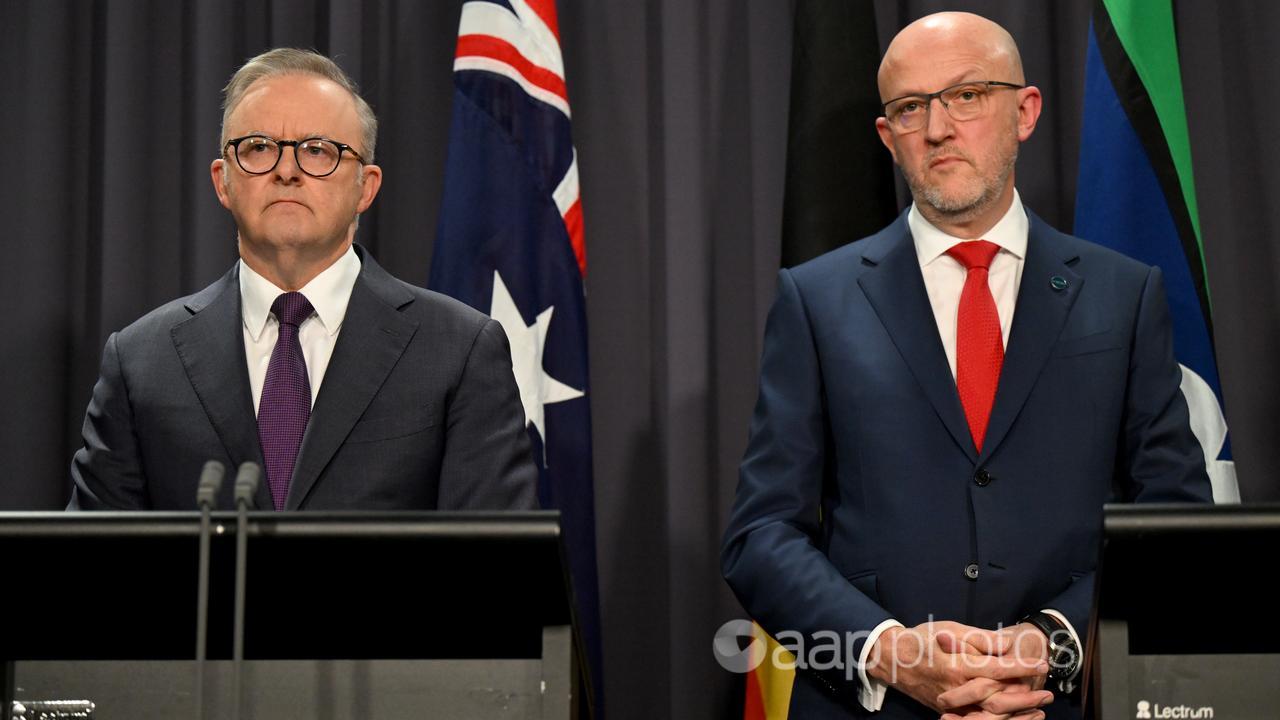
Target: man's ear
{"type": "Point", "coordinates": [372, 181]}
{"type": "Point", "coordinates": [886, 137]}
{"type": "Point", "coordinates": [1029, 104]}
{"type": "Point", "coordinates": [218, 174]}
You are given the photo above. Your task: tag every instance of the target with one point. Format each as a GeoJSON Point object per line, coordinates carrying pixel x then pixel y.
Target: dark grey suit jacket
{"type": "Point", "coordinates": [418, 408]}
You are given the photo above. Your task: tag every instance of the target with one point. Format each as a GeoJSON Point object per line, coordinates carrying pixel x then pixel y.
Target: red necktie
{"type": "Point", "coordinates": [979, 348]}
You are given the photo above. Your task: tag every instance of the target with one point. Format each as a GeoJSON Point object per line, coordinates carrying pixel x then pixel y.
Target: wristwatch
{"type": "Point", "coordinates": [1064, 653]}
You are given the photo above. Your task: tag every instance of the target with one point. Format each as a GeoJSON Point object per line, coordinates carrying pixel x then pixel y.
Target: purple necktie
{"type": "Point", "coordinates": [285, 406]}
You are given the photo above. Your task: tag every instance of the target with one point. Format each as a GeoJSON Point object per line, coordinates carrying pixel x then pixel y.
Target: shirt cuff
{"type": "Point", "coordinates": [871, 692]}
{"type": "Point", "coordinates": [1070, 683]}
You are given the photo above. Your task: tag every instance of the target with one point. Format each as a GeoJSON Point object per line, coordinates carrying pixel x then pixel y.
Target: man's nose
{"type": "Point", "coordinates": [938, 123]}
{"type": "Point", "coordinates": [287, 168]}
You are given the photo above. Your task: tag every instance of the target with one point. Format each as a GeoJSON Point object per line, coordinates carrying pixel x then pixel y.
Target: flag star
{"type": "Point", "coordinates": [537, 388]}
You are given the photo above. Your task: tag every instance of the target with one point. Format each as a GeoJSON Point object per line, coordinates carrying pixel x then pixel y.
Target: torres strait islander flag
{"type": "Point", "coordinates": [510, 244]}
{"type": "Point", "coordinates": [1136, 194]}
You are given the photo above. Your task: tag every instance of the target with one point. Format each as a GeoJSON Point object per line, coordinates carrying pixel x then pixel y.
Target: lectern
{"type": "Point", "coordinates": [348, 615]}
{"type": "Point", "coordinates": [1186, 610]}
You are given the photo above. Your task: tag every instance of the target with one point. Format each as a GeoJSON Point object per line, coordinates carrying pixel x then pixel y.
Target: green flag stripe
{"type": "Point", "coordinates": [1136, 101]}
{"type": "Point", "coordinates": [1145, 30]}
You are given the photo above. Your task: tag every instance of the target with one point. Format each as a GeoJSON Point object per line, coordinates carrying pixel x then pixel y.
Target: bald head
{"type": "Point", "coordinates": [966, 39]}
{"type": "Point", "coordinates": [958, 160]}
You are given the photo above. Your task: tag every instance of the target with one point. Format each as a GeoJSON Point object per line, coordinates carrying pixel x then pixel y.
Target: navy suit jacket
{"type": "Point", "coordinates": [860, 496]}
{"type": "Point", "coordinates": [418, 408]}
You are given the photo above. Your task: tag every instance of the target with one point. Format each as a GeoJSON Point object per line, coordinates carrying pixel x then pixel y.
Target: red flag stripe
{"type": "Point", "coordinates": [573, 223]}
{"type": "Point", "coordinates": [546, 9]}
{"type": "Point", "coordinates": [753, 708]}
{"type": "Point", "coordinates": [503, 51]}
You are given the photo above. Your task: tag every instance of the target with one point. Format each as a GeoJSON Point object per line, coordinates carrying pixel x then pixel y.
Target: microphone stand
{"type": "Point", "coordinates": [247, 480]}
{"type": "Point", "coordinates": [206, 497]}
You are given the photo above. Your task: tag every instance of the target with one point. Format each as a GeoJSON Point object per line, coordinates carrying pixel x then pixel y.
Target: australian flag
{"type": "Point", "coordinates": [510, 244]}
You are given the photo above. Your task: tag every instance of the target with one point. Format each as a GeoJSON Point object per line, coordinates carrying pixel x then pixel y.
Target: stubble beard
{"type": "Point", "coordinates": [973, 197]}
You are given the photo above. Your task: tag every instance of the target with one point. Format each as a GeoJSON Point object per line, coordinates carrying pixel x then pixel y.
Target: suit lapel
{"type": "Point", "coordinates": [210, 345]}
{"type": "Point", "coordinates": [374, 335]}
{"type": "Point", "coordinates": [897, 293]}
{"type": "Point", "coordinates": [1039, 316]}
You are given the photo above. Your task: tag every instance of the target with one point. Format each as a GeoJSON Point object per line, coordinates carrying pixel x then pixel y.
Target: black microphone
{"type": "Point", "coordinates": [247, 480]}
{"type": "Point", "coordinates": [206, 496]}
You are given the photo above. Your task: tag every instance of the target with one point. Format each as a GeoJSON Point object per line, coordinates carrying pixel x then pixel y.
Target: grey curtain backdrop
{"type": "Point", "coordinates": [109, 116]}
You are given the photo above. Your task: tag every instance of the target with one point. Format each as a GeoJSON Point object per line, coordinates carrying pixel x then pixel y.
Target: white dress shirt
{"type": "Point", "coordinates": [944, 278]}
{"type": "Point", "coordinates": [329, 292]}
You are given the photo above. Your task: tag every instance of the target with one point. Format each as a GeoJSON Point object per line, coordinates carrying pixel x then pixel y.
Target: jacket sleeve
{"type": "Point", "coordinates": [488, 462]}
{"type": "Point", "coordinates": [106, 473]}
{"type": "Point", "coordinates": [771, 554]}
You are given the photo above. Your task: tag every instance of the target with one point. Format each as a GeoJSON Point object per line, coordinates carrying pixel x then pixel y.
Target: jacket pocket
{"type": "Point", "coordinates": [867, 582]}
{"type": "Point", "coordinates": [1088, 344]}
{"type": "Point", "coordinates": [390, 427]}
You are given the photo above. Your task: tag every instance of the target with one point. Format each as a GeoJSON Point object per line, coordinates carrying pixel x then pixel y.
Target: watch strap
{"type": "Point", "coordinates": [1064, 654]}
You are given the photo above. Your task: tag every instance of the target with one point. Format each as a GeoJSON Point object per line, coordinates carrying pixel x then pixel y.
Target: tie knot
{"type": "Point", "coordinates": [291, 308]}
{"type": "Point", "coordinates": [975, 253]}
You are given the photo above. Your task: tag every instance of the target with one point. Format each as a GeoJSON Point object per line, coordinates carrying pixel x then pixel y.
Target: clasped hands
{"type": "Point", "coordinates": [966, 672]}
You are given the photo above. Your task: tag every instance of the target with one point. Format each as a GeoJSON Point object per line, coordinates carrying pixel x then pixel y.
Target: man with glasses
{"type": "Point", "coordinates": [352, 389]}
{"type": "Point", "coordinates": [944, 409]}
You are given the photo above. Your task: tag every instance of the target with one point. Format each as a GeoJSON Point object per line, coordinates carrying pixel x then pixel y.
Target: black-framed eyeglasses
{"type": "Point", "coordinates": [316, 156]}
{"type": "Point", "coordinates": [963, 101]}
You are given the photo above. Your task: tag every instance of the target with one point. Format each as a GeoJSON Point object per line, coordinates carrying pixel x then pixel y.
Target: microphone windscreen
{"type": "Point", "coordinates": [247, 480]}
{"type": "Point", "coordinates": [210, 483]}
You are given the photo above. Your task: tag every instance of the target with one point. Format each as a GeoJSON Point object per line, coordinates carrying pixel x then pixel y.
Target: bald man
{"type": "Point", "coordinates": [944, 408]}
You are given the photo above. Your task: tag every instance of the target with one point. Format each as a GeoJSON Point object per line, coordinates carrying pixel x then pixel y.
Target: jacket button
{"type": "Point", "coordinates": [971, 571]}
{"type": "Point", "coordinates": [982, 477]}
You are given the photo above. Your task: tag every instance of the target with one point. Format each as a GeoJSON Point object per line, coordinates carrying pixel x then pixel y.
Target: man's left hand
{"type": "Point", "coordinates": [986, 699]}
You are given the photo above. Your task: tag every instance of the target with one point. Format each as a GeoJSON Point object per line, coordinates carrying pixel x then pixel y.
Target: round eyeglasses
{"type": "Point", "coordinates": [315, 156]}
{"type": "Point", "coordinates": [965, 101]}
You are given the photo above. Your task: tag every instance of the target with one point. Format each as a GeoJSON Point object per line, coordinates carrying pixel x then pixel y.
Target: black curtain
{"type": "Point", "coordinates": [109, 115]}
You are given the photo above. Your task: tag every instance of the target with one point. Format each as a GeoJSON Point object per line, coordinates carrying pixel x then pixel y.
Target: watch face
{"type": "Point", "coordinates": [1063, 659]}
{"type": "Point", "coordinates": [1060, 666]}
{"type": "Point", "coordinates": [1064, 654]}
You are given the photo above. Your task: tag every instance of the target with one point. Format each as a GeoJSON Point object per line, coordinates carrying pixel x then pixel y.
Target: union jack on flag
{"type": "Point", "coordinates": [510, 243]}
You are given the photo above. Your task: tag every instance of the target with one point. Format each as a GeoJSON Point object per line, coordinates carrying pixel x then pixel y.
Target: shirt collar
{"type": "Point", "coordinates": [329, 292]}
{"type": "Point", "coordinates": [1010, 233]}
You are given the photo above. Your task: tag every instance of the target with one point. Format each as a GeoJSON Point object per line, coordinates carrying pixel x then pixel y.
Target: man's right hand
{"type": "Point", "coordinates": [933, 658]}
